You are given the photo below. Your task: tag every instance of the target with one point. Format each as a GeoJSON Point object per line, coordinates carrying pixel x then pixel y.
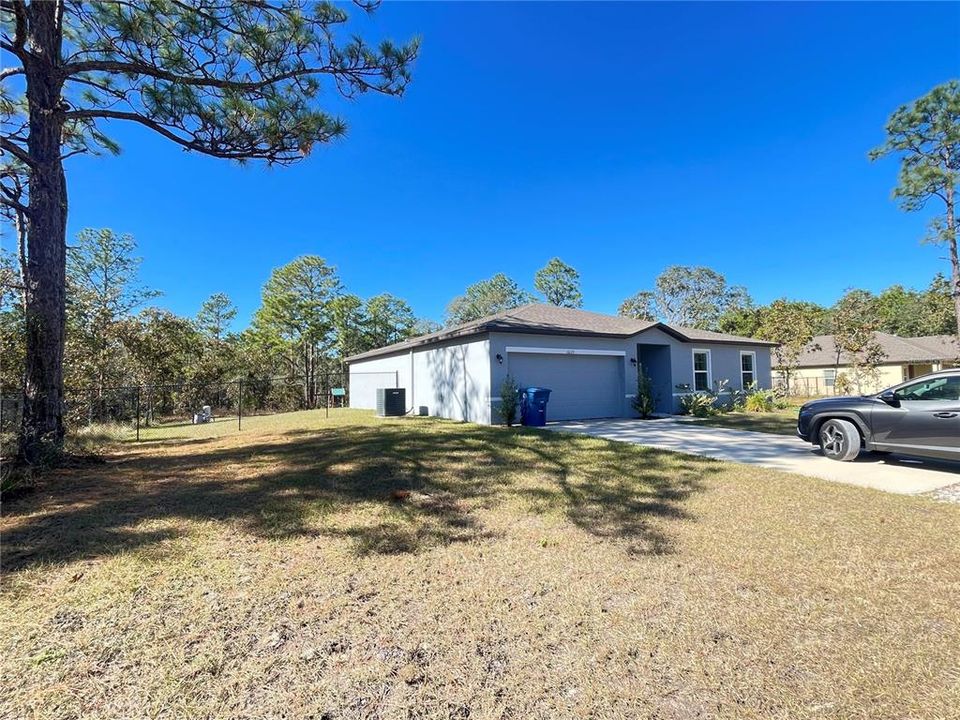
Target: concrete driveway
{"type": "Point", "coordinates": [780, 452]}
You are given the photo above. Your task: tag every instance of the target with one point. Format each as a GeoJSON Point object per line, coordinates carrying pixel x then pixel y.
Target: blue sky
{"type": "Point", "coordinates": [620, 137]}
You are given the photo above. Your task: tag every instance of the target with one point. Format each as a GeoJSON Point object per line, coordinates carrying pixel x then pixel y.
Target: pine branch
{"type": "Point", "coordinates": [230, 151]}
{"type": "Point", "coordinates": [357, 73]}
{"type": "Point", "coordinates": [18, 152]}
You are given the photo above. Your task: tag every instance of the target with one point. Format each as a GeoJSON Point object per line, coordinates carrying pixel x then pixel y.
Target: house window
{"type": "Point", "coordinates": [748, 369]}
{"type": "Point", "coordinates": [829, 377]}
{"type": "Point", "coordinates": [701, 370]}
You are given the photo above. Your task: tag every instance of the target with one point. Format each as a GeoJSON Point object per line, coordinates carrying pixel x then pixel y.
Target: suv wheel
{"type": "Point", "coordinates": [840, 440]}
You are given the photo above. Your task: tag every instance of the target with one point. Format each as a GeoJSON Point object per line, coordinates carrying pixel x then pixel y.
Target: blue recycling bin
{"type": "Point", "coordinates": [533, 406]}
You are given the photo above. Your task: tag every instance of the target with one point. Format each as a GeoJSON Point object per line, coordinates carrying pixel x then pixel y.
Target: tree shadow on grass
{"type": "Point", "coordinates": [418, 484]}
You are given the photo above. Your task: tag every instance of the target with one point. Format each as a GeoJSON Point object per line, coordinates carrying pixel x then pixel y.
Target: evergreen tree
{"type": "Point", "coordinates": [104, 290]}
{"type": "Point", "coordinates": [486, 297]}
{"type": "Point", "coordinates": [12, 341]}
{"type": "Point", "coordinates": [295, 319]}
{"type": "Point", "coordinates": [925, 135]}
{"type": "Point", "coordinates": [236, 80]}
{"type": "Point", "coordinates": [215, 315]}
{"type": "Point", "coordinates": [387, 320]}
{"type": "Point", "coordinates": [559, 284]}
{"type": "Point", "coordinates": [639, 306]}
{"type": "Point", "coordinates": [347, 327]}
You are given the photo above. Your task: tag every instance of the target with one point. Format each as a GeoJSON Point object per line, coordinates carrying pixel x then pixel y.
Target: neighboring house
{"type": "Point", "coordinates": [588, 360]}
{"type": "Point", "coordinates": [904, 359]}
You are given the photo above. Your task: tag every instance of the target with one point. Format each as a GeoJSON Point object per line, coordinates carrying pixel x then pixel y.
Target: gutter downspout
{"type": "Point", "coordinates": [413, 402]}
{"type": "Point", "coordinates": [463, 367]}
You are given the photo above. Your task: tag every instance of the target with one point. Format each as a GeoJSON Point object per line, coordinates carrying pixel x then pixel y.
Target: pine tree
{"type": "Point", "coordinates": [237, 80]}
{"type": "Point", "coordinates": [925, 135]}
{"type": "Point", "coordinates": [559, 284]}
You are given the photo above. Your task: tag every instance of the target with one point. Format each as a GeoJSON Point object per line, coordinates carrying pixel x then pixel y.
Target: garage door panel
{"type": "Point", "coordinates": [584, 386]}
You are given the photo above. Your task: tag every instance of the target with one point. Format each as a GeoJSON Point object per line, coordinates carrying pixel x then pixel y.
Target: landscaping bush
{"type": "Point", "coordinates": [724, 400]}
{"type": "Point", "coordinates": [509, 400]}
{"type": "Point", "coordinates": [738, 399]}
{"type": "Point", "coordinates": [780, 399]}
{"type": "Point", "coordinates": [698, 404]}
{"type": "Point", "coordinates": [645, 402]}
{"type": "Point", "coordinates": [706, 403]}
{"type": "Point", "coordinates": [759, 401]}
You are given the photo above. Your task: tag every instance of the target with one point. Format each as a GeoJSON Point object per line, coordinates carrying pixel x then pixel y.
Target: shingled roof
{"type": "Point", "coordinates": [537, 318]}
{"type": "Point", "coordinates": [822, 350]}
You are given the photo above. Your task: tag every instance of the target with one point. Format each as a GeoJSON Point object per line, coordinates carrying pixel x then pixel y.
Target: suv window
{"type": "Point", "coordinates": [941, 388]}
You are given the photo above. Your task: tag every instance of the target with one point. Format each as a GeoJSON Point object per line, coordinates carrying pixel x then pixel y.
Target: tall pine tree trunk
{"type": "Point", "coordinates": [954, 259]}
{"type": "Point", "coordinates": [45, 272]}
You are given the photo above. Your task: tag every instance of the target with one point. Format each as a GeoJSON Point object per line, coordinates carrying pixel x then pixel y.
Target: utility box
{"type": "Point", "coordinates": [391, 402]}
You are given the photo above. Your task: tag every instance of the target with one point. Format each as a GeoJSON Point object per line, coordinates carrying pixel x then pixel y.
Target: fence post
{"type": "Point", "coordinates": [138, 413]}
{"type": "Point", "coordinates": [239, 403]}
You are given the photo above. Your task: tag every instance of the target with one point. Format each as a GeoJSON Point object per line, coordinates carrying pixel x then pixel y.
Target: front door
{"type": "Point", "coordinates": [654, 360]}
{"type": "Point", "coordinates": [927, 421]}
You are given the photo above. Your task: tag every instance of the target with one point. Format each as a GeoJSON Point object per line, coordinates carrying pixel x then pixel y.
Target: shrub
{"type": "Point", "coordinates": [509, 399]}
{"type": "Point", "coordinates": [645, 402]}
{"type": "Point", "coordinates": [741, 397]}
{"type": "Point", "coordinates": [724, 400]}
{"type": "Point", "coordinates": [759, 401]}
{"type": "Point", "coordinates": [738, 399]}
{"type": "Point", "coordinates": [698, 404]}
{"type": "Point", "coordinates": [780, 400]}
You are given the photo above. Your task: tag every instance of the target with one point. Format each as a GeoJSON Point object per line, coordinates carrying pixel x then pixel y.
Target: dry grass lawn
{"type": "Point", "coordinates": [415, 568]}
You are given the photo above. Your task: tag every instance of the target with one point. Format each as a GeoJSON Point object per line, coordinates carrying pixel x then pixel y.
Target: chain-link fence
{"type": "Point", "coordinates": [805, 386]}
{"type": "Point", "coordinates": [137, 407]}
{"type": "Point", "coordinates": [11, 406]}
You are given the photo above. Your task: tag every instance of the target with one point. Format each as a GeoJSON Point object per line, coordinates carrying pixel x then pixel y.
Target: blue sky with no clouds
{"type": "Point", "coordinates": [620, 137]}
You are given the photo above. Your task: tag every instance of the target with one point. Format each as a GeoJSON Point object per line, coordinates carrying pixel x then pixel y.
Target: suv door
{"type": "Point", "coordinates": [927, 421]}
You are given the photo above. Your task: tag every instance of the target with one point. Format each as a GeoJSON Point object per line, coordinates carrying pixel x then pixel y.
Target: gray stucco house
{"type": "Point", "coordinates": [589, 360]}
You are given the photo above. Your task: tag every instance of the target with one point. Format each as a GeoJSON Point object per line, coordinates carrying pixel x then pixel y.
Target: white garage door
{"type": "Point", "coordinates": [584, 386]}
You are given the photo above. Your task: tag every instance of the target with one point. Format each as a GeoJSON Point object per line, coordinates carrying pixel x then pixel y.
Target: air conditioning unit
{"type": "Point", "coordinates": [391, 402]}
